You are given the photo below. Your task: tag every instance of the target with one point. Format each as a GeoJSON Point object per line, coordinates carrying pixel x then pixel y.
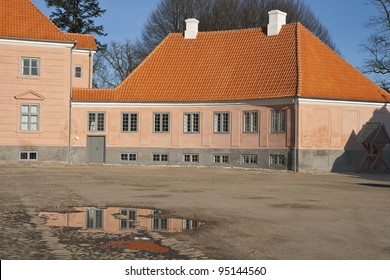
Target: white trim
{"type": "Point", "coordinates": [341, 102]}
{"type": "Point", "coordinates": [35, 43]}
{"type": "Point", "coordinates": [83, 51]}
{"type": "Point", "coordinates": [258, 102]}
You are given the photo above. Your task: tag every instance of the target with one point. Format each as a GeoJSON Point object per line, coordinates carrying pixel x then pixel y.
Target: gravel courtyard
{"type": "Point", "coordinates": [243, 214]}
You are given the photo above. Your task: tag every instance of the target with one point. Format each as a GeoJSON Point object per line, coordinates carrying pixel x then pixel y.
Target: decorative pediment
{"type": "Point", "coordinates": [30, 95]}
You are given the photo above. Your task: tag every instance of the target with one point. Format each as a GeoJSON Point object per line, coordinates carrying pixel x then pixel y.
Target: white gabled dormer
{"type": "Point", "coordinates": [276, 20]}
{"type": "Point", "coordinates": [192, 26]}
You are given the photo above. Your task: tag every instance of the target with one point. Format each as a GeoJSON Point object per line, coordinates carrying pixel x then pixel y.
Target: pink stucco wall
{"type": "Point", "coordinates": [336, 126]}
{"type": "Point", "coordinates": [145, 137]}
{"type": "Point", "coordinates": [50, 90]}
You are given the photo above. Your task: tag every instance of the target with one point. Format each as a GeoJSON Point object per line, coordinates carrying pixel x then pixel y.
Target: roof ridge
{"type": "Point", "coordinates": [233, 30]}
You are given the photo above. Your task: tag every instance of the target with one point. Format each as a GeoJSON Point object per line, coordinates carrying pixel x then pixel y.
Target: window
{"type": "Point", "coordinates": [160, 224]}
{"type": "Point", "coordinates": [128, 157]}
{"type": "Point", "coordinates": [160, 157]}
{"type": "Point", "coordinates": [161, 122]}
{"type": "Point", "coordinates": [277, 160]}
{"type": "Point", "coordinates": [131, 220]}
{"type": "Point", "coordinates": [249, 159]}
{"type": "Point", "coordinates": [78, 72]}
{"type": "Point", "coordinates": [189, 224]}
{"type": "Point", "coordinates": [129, 122]}
{"type": "Point", "coordinates": [278, 121]}
{"type": "Point", "coordinates": [96, 122]}
{"type": "Point", "coordinates": [30, 67]}
{"type": "Point", "coordinates": [28, 156]}
{"type": "Point", "coordinates": [221, 158]}
{"type": "Point", "coordinates": [29, 117]}
{"type": "Point", "coordinates": [94, 218]}
{"type": "Point", "coordinates": [250, 121]}
{"type": "Point", "coordinates": [191, 158]}
{"type": "Point", "coordinates": [221, 122]}
{"type": "Point", "coordinates": [191, 122]}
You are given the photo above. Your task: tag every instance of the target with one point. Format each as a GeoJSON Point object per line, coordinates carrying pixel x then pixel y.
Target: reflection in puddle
{"type": "Point", "coordinates": [117, 220]}
{"type": "Point", "coordinates": [133, 222]}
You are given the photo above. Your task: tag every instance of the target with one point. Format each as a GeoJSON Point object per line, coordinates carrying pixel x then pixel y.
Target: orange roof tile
{"type": "Point", "coordinates": [23, 20]}
{"type": "Point", "coordinates": [83, 41]}
{"type": "Point", "coordinates": [240, 65]}
{"type": "Point", "coordinates": [326, 75]}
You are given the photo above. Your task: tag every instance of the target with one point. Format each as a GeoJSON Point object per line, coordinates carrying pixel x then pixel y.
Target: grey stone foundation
{"type": "Point", "coordinates": [333, 160]}
{"type": "Point", "coordinates": [12, 154]}
{"type": "Point", "coordinates": [176, 157]}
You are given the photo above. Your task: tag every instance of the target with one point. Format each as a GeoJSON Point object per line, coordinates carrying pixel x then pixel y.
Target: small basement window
{"type": "Point", "coordinates": [277, 160]}
{"type": "Point", "coordinates": [128, 157]}
{"type": "Point", "coordinates": [221, 158]}
{"type": "Point", "coordinates": [160, 157]}
{"type": "Point", "coordinates": [28, 155]}
{"type": "Point", "coordinates": [249, 159]}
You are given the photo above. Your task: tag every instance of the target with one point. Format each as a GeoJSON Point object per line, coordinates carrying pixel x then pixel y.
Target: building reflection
{"type": "Point", "coordinates": [117, 220]}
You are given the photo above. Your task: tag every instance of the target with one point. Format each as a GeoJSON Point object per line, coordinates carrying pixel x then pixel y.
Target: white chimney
{"type": "Point", "coordinates": [276, 20]}
{"type": "Point", "coordinates": [191, 28]}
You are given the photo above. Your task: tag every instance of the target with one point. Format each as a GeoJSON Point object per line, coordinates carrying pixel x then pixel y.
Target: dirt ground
{"type": "Point", "coordinates": [245, 214]}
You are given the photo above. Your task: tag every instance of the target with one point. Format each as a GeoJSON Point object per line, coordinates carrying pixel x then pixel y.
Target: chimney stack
{"type": "Point", "coordinates": [192, 26]}
{"type": "Point", "coordinates": [276, 20]}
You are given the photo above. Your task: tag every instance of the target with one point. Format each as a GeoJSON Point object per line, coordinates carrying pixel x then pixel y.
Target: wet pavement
{"type": "Point", "coordinates": [147, 213]}
{"type": "Point", "coordinates": [91, 233]}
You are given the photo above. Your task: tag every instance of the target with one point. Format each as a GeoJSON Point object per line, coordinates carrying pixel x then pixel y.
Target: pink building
{"type": "Point", "coordinates": [39, 65]}
{"type": "Point", "coordinates": [276, 98]}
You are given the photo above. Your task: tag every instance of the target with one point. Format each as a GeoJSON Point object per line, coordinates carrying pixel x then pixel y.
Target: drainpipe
{"type": "Point", "coordinates": [70, 104]}
{"type": "Point", "coordinates": [90, 69]}
{"type": "Point", "coordinates": [296, 101]}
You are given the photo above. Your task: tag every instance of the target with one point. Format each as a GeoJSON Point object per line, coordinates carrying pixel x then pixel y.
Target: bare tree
{"type": "Point", "coordinates": [170, 16]}
{"type": "Point", "coordinates": [377, 45]}
{"type": "Point", "coordinates": [114, 64]}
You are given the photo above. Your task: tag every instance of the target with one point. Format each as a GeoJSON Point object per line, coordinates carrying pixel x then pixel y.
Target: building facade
{"type": "Point", "coordinates": [276, 98]}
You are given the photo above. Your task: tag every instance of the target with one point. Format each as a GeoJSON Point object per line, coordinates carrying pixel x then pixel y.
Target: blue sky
{"type": "Point", "coordinates": [345, 20]}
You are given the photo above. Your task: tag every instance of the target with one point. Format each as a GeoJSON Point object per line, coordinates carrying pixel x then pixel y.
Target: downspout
{"type": "Point", "coordinates": [70, 104]}
{"type": "Point", "coordinates": [296, 101]}
{"type": "Point", "coordinates": [90, 69]}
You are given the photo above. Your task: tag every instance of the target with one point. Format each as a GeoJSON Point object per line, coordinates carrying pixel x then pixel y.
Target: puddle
{"type": "Point", "coordinates": [123, 228]}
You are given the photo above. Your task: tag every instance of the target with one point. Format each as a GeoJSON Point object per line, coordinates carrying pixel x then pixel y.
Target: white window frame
{"type": "Point", "coordinates": [191, 122]}
{"type": "Point", "coordinates": [191, 158]}
{"type": "Point", "coordinates": [129, 157]}
{"type": "Point", "coordinates": [250, 121]}
{"type": "Point", "coordinates": [160, 157]}
{"type": "Point", "coordinates": [94, 221]}
{"type": "Point", "coordinates": [29, 67]}
{"type": "Point", "coordinates": [76, 73]}
{"type": "Point", "coordinates": [29, 125]}
{"type": "Point", "coordinates": [221, 122]}
{"type": "Point", "coordinates": [28, 153]}
{"type": "Point", "coordinates": [131, 123]}
{"type": "Point", "coordinates": [221, 158]}
{"type": "Point", "coordinates": [278, 121]}
{"type": "Point", "coordinates": [250, 159]}
{"type": "Point", "coordinates": [277, 160]}
{"type": "Point", "coordinates": [95, 127]}
{"type": "Point", "coordinates": [161, 122]}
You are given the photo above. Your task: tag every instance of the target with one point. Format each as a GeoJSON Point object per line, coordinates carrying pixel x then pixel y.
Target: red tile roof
{"type": "Point", "coordinates": [240, 65]}
{"type": "Point", "coordinates": [21, 19]}
{"type": "Point", "coordinates": [83, 41]}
